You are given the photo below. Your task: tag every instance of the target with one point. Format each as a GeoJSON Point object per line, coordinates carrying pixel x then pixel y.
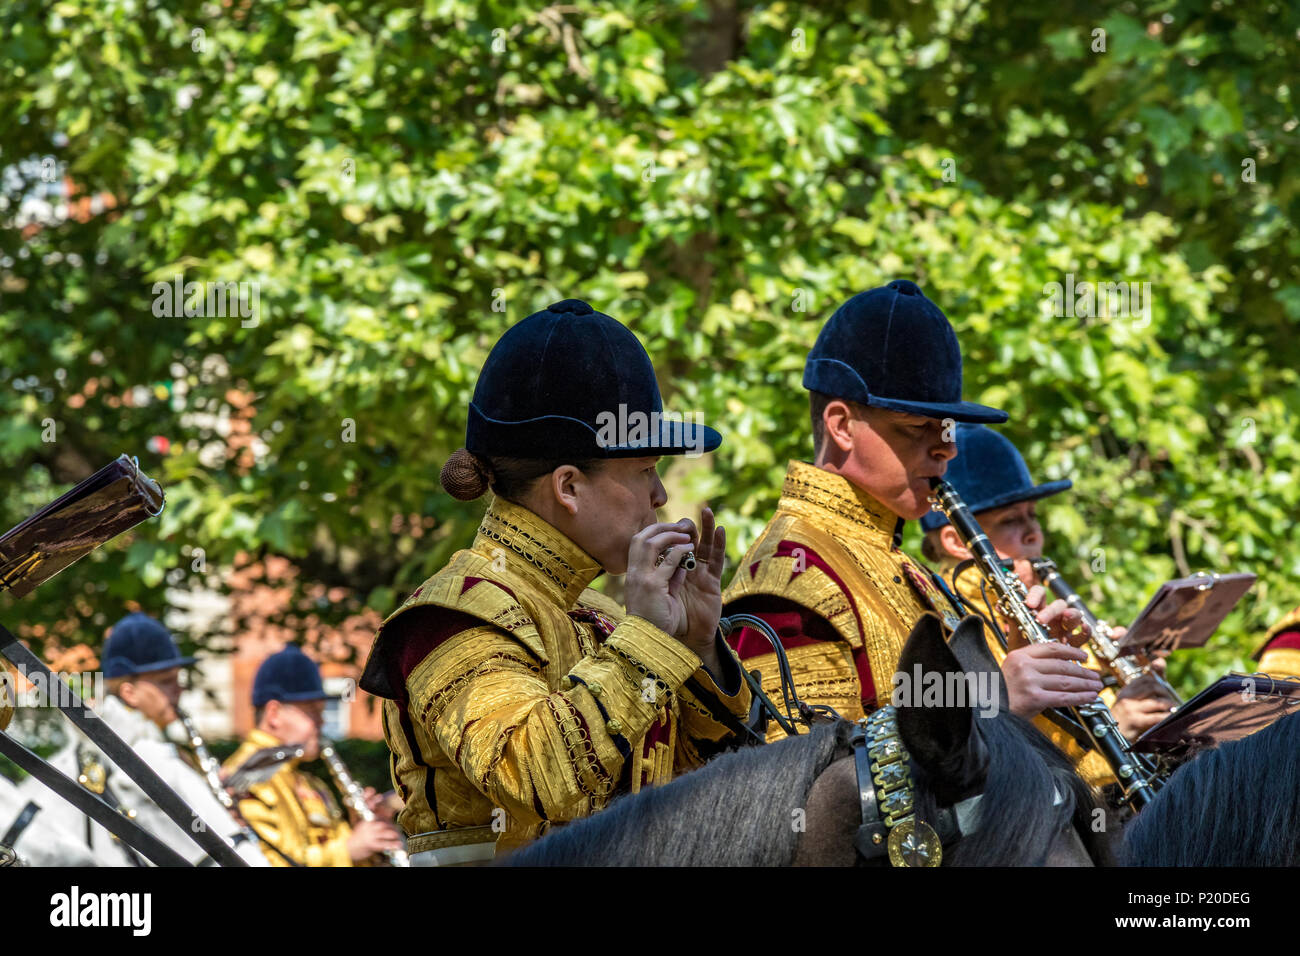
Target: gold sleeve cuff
{"type": "Point", "coordinates": [334, 852]}
{"type": "Point", "coordinates": [667, 658]}
{"type": "Point", "coordinates": [737, 704]}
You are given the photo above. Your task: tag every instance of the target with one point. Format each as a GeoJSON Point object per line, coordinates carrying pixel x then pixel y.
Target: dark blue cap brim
{"type": "Point", "coordinates": [957, 411]}
{"type": "Point", "coordinates": [295, 697]}
{"type": "Point", "coordinates": [299, 696]}
{"type": "Point", "coordinates": [113, 666]}
{"type": "Point", "coordinates": [936, 519]}
{"type": "Point", "coordinates": [674, 438]}
{"type": "Point", "coordinates": [559, 436]}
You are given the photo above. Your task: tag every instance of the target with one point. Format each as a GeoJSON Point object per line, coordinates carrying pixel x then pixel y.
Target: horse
{"type": "Point", "coordinates": [1233, 805]}
{"type": "Point", "coordinates": [796, 802]}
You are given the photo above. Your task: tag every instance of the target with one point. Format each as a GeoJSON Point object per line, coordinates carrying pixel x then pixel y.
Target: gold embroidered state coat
{"type": "Point", "coordinates": [293, 813]}
{"type": "Point", "coordinates": [8, 692]}
{"type": "Point", "coordinates": [1089, 764]}
{"type": "Point", "coordinates": [1280, 653]}
{"type": "Point", "coordinates": [519, 698]}
{"type": "Point", "coordinates": [831, 549]}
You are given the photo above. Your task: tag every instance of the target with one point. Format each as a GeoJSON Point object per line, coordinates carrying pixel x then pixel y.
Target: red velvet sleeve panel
{"type": "Point", "coordinates": [1287, 639]}
{"type": "Point", "coordinates": [406, 640]}
{"type": "Point", "coordinates": [796, 626]}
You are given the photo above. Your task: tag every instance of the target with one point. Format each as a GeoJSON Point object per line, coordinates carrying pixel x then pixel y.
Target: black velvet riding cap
{"type": "Point", "coordinates": [989, 473]}
{"type": "Point", "coordinates": [892, 348]}
{"type": "Point", "coordinates": [571, 382]}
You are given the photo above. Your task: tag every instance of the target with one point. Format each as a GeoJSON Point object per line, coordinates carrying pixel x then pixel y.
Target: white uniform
{"type": "Point", "coordinates": [42, 843]}
{"type": "Point", "coordinates": [147, 740]}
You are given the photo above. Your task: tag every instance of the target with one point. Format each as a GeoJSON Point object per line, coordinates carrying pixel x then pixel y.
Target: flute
{"type": "Point", "coordinates": [355, 797]}
{"type": "Point", "coordinates": [211, 770]}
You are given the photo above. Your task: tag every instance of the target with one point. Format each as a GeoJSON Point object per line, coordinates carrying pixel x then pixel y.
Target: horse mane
{"type": "Point", "coordinates": [1233, 805]}
{"type": "Point", "coordinates": [740, 808]}
{"type": "Point", "coordinates": [737, 810]}
{"type": "Point", "coordinates": [1020, 818]}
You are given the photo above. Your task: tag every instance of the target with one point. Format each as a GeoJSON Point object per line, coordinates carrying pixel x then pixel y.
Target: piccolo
{"type": "Point", "coordinates": [355, 797]}
{"type": "Point", "coordinates": [1137, 776]}
{"type": "Point", "coordinates": [1126, 667]}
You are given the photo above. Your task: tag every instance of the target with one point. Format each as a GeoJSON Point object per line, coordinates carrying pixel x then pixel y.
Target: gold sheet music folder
{"type": "Point", "coordinates": [112, 500]}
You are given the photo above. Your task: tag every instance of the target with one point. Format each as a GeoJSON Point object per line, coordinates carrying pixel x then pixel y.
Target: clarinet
{"type": "Point", "coordinates": [1137, 776]}
{"type": "Point", "coordinates": [355, 797]}
{"type": "Point", "coordinates": [1126, 668]}
{"type": "Point", "coordinates": [211, 770]}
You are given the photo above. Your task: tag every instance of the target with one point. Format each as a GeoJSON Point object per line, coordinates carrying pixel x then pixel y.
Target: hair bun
{"type": "Point", "coordinates": [465, 476]}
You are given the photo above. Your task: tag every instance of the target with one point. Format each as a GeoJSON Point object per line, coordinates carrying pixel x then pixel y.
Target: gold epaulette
{"type": "Point", "coordinates": [492, 599]}
{"type": "Point", "coordinates": [1288, 622]}
{"type": "Point", "coordinates": [794, 578]}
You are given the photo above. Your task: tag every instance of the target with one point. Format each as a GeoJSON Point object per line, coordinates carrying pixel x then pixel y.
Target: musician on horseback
{"type": "Point", "coordinates": [993, 479]}
{"type": "Point", "coordinates": [516, 696]}
{"type": "Point", "coordinates": [827, 572]}
{"type": "Point", "coordinates": [293, 813]}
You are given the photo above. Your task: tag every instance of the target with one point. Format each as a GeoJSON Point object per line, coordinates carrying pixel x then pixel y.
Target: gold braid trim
{"type": "Point", "coordinates": [592, 777]}
{"type": "Point", "coordinates": [509, 541]}
{"type": "Point", "coordinates": [448, 692]}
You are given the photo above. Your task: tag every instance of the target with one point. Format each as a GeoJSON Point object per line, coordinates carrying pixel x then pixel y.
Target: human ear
{"type": "Point", "coordinates": [838, 421]}
{"type": "Point", "coordinates": [565, 482]}
{"type": "Point", "coordinates": [952, 543]}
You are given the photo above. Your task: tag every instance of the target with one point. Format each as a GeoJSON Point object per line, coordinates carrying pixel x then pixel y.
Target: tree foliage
{"type": "Point", "coordinates": [405, 180]}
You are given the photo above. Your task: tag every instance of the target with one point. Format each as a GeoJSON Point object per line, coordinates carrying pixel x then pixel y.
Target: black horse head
{"type": "Point", "coordinates": [955, 720]}
{"type": "Point", "coordinates": [947, 684]}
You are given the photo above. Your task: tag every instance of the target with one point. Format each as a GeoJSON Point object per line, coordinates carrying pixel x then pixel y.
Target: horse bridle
{"type": "Point", "coordinates": [890, 824]}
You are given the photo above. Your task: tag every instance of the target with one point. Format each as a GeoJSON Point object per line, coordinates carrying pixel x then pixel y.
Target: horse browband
{"type": "Point", "coordinates": [889, 821]}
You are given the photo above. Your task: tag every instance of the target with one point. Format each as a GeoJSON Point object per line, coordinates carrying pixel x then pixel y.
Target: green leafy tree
{"type": "Point", "coordinates": [404, 181]}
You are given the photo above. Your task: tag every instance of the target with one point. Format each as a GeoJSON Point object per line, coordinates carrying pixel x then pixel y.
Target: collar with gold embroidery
{"type": "Point", "coordinates": [528, 546]}
{"type": "Point", "coordinates": [839, 505]}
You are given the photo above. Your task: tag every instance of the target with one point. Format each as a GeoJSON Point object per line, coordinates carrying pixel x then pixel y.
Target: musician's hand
{"type": "Point", "coordinates": [1063, 622]}
{"type": "Point", "coordinates": [370, 837]}
{"type": "Point", "coordinates": [1040, 676]}
{"type": "Point", "coordinates": [1136, 715]}
{"type": "Point", "coordinates": [374, 799]}
{"type": "Point", "coordinates": [701, 590]}
{"type": "Point", "coordinates": [685, 604]}
{"type": "Point", "coordinates": [1024, 569]}
{"type": "Point", "coordinates": [652, 560]}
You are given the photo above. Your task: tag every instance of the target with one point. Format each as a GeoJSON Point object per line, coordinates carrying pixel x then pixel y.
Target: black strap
{"type": "Point", "coordinates": [871, 840]}
{"type": "Point", "coordinates": [21, 823]}
{"type": "Point", "coordinates": [128, 831]}
{"type": "Point", "coordinates": [107, 740]}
